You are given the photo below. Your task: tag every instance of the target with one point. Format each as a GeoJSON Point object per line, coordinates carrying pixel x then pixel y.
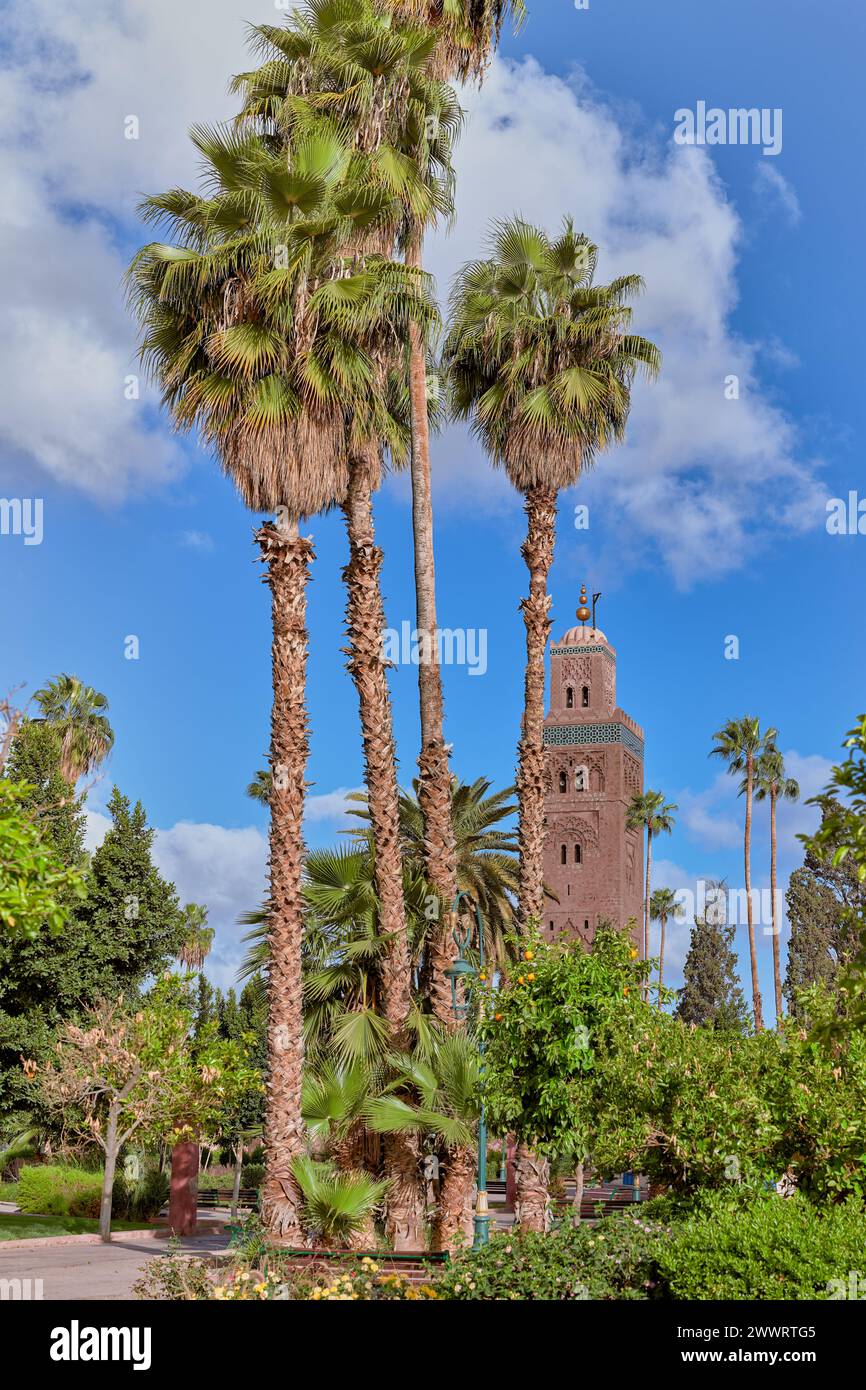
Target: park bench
{"type": "Point", "coordinates": [210, 1198]}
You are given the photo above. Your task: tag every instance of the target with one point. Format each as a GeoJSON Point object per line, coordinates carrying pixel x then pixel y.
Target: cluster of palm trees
{"type": "Point", "coordinates": [751, 754]}
{"type": "Point", "coordinates": [288, 320]}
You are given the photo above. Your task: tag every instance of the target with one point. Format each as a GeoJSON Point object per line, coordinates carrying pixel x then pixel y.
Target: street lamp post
{"type": "Point", "coordinates": [462, 973]}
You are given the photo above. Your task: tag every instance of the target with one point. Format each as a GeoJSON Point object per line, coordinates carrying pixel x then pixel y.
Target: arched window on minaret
{"type": "Point", "coordinates": [584, 697]}
{"type": "Point", "coordinates": [563, 781]}
{"type": "Point", "coordinates": [563, 854]}
{"type": "Point", "coordinates": [569, 698]}
{"type": "Point", "coordinates": [578, 854]}
{"type": "Point", "coordinates": [580, 780]}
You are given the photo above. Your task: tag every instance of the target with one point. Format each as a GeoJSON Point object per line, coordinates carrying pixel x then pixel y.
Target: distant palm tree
{"type": "Point", "coordinates": [740, 743]}
{"type": "Point", "coordinates": [198, 937]}
{"type": "Point", "coordinates": [647, 811]}
{"type": "Point", "coordinates": [541, 360]}
{"type": "Point", "coordinates": [663, 905]}
{"type": "Point", "coordinates": [772, 784]}
{"type": "Point", "coordinates": [79, 714]}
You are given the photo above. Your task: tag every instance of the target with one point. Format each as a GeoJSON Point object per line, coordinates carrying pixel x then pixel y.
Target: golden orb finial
{"type": "Point", "coordinates": [583, 612]}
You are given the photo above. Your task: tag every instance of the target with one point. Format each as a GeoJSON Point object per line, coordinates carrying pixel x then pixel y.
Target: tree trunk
{"type": "Point", "coordinates": [365, 625]}
{"type": "Point", "coordinates": [183, 1194]}
{"type": "Point", "coordinates": [108, 1175]}
{"type": "Point", "coordinates": [646, 906]}
{"type": "Point", "coordinates": [404, 1211]}
{"type": "Point", "coordinates": [454, 1228]}
{"type": "Point", "coordinates": [579, 1180]}
{"type": "Point", "coordinates": [533, 1177]}
{"type": "Point", "coordinates": [747, 849]}
{"type": "Point", "coordinates": [434, 774]}
{"type": "Point", "coordinates": [777, 968]}
{"type": "Point", "coordinates": [236, 1185]}
{"type": "Point", "coordinates": [537, 551]}
{"type": "Point", "coordinates": [662, 958]}
{"type": "Point", "coordinates": [287, 556]}
{"type": "Point", "coordinates": [510, 1174]}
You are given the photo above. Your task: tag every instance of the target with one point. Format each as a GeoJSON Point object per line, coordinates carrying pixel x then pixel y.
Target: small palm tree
{"type": "Point", "coordinates": [663, 905]}
{"type": "Point", "coordinates": [541, 360]}
{"type": "Point", "coordinates": [337, 1206]}
{"type": "Point", "coordinates": [438, 1096]}
{"type": "Point", "coordinates": [79, 714]}
{"type": "Point", "coordinates": [740, 744]}
{"type": "Point", "coordinates": [648, 811]}
{"type": "Point", "coordinates": [772, 784]}
{"type": "Point", "coordinates": [197, 939]}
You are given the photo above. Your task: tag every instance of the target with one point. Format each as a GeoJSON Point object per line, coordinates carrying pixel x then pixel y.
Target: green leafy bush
{"type": "Point", "coordinates": [764, 1247]}
{"type": "Point", "coordinates": [141, 1198]}
{"type": "Point", "coordinates": [252, 1175]}
{"type": "Point", "coordinates": [50, 1190]}
{"type": "Point", "coordinates": [615, 1259]}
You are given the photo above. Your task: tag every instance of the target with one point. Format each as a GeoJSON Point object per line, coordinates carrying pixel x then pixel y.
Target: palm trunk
{"type": "Point", "coordinates": [646, 906]}
{"type": "Point", "coordinates": [533, 1177]}
{"type": "Point", "coordinates": [662, 959]}
{"type": "Point", "coordinates": [365, 625]}
{"type": "Point", "coordinates": [777, 968]}
{"type": "Point", "coordinates": [753, 955]}
{"type": "Point", "coordinates": [287, 556]}
{"type": "Point", "coordinates": [454, 1229]}
{"type": "Point", "coordinates": [434, 774]}
{"type": "Point", "coordinates": [537, 551]}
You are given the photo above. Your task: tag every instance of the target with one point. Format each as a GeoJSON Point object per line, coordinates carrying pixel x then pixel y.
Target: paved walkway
{"type": "Point", "coordinates": [86, 1272]}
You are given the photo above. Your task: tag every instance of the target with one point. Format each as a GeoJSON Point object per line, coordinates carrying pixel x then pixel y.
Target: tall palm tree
{"type": "Point", "coordinates": [773, 784]}
{"type": "Point", "coordinates": [371, 71]}
{"type": "Point", "coordinates": [541, 360]}
{"type": "Point", "coordinates": [740, 743]}
{"type": "Point", "coordinates": [648, 811]}
{"type": "Point", "coordinates": [663, 904]}
{"type": "Point", "coordinates": [79, 714]}
{"type": "Point", "coordinates": [197, 938]}
{"type": "Point", "coordinates": [261, 325]}
{"type": "Point", "coordinates": [466, 33]}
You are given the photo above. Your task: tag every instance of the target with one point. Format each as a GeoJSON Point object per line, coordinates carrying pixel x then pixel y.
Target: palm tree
{"type": "Point", "coordinates": [663, 905]}
{"type": "Point", "coordinates": [772, 784]}
{"type": "Point", "coordinates": [486, 854]}
{"type": "Point", "coordinates": [198, 937]}
{"type": "Point", "coordinates": [740, 743]}
{"type": "Point", "coordinates": [437, 1095]}
{"type": "Point", "coordinates": [79, 714]}
{"type": "Point", "coordinates": [261, 326]}
{"type": "Point", "coordinates": [372, 73]}
{"type": "Point", "coordinates": [541, 361]}
{"type": "Point", "coordinates": [647, 811]}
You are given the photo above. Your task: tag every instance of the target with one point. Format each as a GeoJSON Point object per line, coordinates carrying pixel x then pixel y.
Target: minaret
{"type": "Point", "coordinates": [594, 757]}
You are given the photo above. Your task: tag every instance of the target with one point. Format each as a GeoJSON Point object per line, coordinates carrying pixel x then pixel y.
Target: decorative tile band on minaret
{"type": "Point", "coordinates": [594, 765]}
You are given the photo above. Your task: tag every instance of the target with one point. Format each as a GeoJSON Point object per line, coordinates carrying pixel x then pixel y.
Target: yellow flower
{"type": "Point", "coordinates": [633, 954]}
{"type": "Point", "coordinates": [530, 976]}
{"type": "Point", "coordinates": [527, 955]}
{"type": "Point", "coordinates": [520, 979]}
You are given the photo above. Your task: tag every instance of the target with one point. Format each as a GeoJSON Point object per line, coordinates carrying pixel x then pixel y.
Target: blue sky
{"type": "Point", "coordinates": [709, 522]}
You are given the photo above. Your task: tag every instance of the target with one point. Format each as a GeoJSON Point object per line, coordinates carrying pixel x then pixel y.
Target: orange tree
{"type": "Point", "coordinates": [541, 1029]}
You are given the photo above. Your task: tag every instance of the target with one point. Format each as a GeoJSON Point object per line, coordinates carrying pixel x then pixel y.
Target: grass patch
{"type": "Point", "coordinates": [23, 1226]}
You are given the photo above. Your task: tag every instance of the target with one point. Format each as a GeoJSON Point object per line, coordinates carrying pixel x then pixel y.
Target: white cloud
{"type": "Point", "coordinates": [197, 540]}
{"type": "Point", "coordinates": [777, 193]}
{"type": "Point", "coordinates": [331, 806]}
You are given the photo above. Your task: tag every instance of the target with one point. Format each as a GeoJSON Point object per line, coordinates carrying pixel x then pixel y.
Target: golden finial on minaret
{"type": "Point", "coordinates": [583, 612]}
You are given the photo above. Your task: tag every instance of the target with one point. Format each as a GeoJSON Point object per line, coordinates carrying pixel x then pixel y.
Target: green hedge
{"type": "Point", "coordinates": [616, 1259]}
{"type": "Point", "coordinates": [49, 1190]}
{"type": "Point", "coordinates": [765, 1247]}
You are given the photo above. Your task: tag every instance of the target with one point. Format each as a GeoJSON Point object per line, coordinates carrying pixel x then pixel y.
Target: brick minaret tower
{"type": "Point", "coordinates": [594, 754]}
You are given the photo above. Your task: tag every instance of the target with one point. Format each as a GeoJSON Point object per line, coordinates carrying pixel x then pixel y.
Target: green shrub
{"type": "Point", "coordinates": [615, 1259]}
{"type": "Point", "coordinates": [764, 1247]}
{"type": "Point", "coordinates": [50, 1190]}
{"type": "Point", "coordinates": [252, 1175]}
{"type": "Point", "coordinates": [141, 1198]}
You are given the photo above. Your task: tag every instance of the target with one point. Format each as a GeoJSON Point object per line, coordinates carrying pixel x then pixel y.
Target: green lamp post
{"type": "Point", "coordinates": [461, 973]}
